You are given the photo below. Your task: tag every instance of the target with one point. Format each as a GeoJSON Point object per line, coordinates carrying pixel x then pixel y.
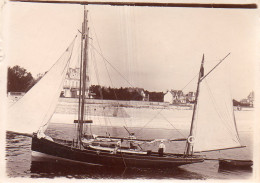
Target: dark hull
{"type": "Point", "coordinates": [235, 163]}
{"type": "Point", "coordinates": [91, 156]}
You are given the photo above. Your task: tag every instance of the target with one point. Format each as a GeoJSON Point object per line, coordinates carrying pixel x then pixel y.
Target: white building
{"type": "Point", "coordinates": [177, 97]}
{"type": "Point", "coordinates": [72, 83]}
{"type": "Point", "coordinates": [168, 97]}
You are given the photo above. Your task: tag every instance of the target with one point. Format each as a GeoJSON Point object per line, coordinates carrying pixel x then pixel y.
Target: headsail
{"type": "Point", "coordinates": [215, 126]}
{"type": "Point", "coordinates": [37, 106]}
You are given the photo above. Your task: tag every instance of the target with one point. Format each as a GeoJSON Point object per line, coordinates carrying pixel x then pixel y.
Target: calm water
{"type": "Point", "coordinates": [19, 164]}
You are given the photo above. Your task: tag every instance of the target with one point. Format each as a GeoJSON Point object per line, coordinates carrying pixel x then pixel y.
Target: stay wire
{"type": "Point", "coordinates": [172, 125]}
{"type": "Point", "coordinates": [189, 82]}
{"type": "Point", "coordinates": [112, 66]}
{"type": "Point", "coordinates": [150, 120]}
{"type": "Point", "coordinates": [105, 64]}
{"type": "Point", "coordinates": [100, 91]}
{"type": "Point", "coordinates": [103, 59]}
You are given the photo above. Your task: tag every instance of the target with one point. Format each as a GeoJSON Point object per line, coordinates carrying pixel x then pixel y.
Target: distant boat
{"type": "Point", "coordinates": [232, 163]}
{"type": "Point", "coordinates": [213, 125]}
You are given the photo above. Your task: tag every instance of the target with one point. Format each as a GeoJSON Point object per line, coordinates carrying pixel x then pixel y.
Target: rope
{"type": "Point", "coordinates": [105, 67]}
{"type": "Point", "coordinates": [189, 82]}
{"type": "Point", "coordinates": [100, 91]}
{"type": "Point", "coordinates": [123, 157]}
{"type": "Point", "coordinates": [112, 66]}
{"type": "Point", "coordinates": [103, 58]}
{"type": "Point", "coordinates": [150, 120]}
{"type": "Point", "coordinates": [172, 125]}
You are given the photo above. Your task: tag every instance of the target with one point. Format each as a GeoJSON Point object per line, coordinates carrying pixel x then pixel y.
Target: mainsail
{"type": "Point", "coordinates": [37, 106]}
{"type": "Point", "coordinates": [214, 120]}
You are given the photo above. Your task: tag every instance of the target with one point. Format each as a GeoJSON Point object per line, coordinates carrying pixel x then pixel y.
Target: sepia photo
{"type": "Point", "coordinates": [136, 90]}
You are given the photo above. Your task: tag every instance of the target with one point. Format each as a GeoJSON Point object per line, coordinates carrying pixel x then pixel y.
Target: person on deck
{"type": "Point", "coordinates": [161, 149]}
{"type": "Point", "coordinates": [132, 137]}
{"type": "Point", "coordinates": [118, 145]}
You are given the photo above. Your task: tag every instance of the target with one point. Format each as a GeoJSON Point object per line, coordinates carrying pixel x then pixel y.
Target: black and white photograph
{"type": "Point", "coordinates": [122, 90]}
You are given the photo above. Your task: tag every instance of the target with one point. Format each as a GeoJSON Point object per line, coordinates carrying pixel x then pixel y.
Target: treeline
{"type": "Point", "coordinates": [100, 92]}
{"type": "Point", "coordinates": [19, 80]}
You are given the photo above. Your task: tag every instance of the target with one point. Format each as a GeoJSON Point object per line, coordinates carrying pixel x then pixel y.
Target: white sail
{"type": "Point", "coordinates": [37, 106]}
{"type": "Point", "coordinates": [215, 126]}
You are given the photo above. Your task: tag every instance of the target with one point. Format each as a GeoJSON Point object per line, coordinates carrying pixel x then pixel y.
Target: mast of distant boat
{"type": "Point", "coordinates": [190, 141]}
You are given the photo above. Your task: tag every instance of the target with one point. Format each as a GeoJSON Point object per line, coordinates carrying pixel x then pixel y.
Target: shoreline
{"type": "Point", "coordinates": [73, 104]}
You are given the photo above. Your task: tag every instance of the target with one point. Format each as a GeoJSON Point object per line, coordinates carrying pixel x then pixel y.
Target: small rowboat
{"type": "Point", "coordinates": [235, 163]}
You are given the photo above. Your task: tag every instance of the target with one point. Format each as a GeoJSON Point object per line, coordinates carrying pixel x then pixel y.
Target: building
{"type": "Point", "coordinates": [178, 96]}
{"type": "Point", "coordinates": [168, 97]}
{"type": "Point", "coordinates": [174, 97]}
{"type": "Point", "coordinates": [190, 97]}
{"type": "Point", "coordinates": [251, 98]}
{"type": "Point", "coordinates": [249, 101]}
{"type": "Point", "coordinates": [72, 83]}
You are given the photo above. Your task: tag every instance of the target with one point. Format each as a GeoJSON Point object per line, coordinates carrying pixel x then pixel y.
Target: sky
{"type": "Point", "coordinates": [154, 48]}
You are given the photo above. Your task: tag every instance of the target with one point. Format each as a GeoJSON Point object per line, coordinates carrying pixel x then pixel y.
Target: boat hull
{"type": "Point", "coordinates": [46, 149]}
{"type": "Point", "coordinates": [230, 163]}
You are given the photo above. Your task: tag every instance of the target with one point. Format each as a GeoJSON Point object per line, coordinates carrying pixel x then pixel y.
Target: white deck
{"type": "Point", "coordinates": [119, 150]}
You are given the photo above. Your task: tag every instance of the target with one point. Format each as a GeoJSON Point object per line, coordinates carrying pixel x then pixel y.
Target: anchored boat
{"type": "Point", "coordinates": [213, 125]}
{"type": "Point", "coordinates": [232, 163]}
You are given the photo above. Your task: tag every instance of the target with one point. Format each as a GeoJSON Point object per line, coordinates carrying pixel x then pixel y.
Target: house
{"type": "Point", "coordinates": [251, 98]}
{"type": "Point", "coordinates": [174, 97]}
{"type": "Point", "coordinates": [190, 97]}
{"type": "Point", "coordinates": [168, 97]}
{"type": "Point", "coordinates": [249, 101]}
{"type": "Point", "coordinates": [72, 83]}
{"type": "Point", "coordinates": [145, 95]}
{"type": "Point", "coordinates": [178, 96]}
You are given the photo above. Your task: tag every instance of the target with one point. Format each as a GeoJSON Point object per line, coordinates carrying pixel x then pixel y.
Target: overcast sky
{"type": "Point", "coordinates": [154, 48]}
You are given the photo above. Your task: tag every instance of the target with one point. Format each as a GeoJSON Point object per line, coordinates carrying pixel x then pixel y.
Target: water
{"type": "Point", "coordinates": [19, 164]}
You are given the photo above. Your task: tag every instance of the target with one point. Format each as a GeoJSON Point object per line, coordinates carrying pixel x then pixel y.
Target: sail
{"type": "Point", "coordinates": [215, 126]}
{"type": "Point", "coordinates": [37, 106]}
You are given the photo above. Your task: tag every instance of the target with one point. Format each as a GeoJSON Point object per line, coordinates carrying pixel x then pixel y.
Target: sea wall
{"type": "Point", "coordinates": [111, 108]}
{"type": "Point", "coordinates": [114, 102]}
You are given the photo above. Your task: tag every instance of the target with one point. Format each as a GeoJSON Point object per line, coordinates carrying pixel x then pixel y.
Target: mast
{"type": "Point", "coordinates": [189, 145]}
{"type": "Point", "coordinates": [83, 77]}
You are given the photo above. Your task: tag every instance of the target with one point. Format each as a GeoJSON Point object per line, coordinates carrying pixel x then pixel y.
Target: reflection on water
{"type": "Point", "coordinates": [52, 169]}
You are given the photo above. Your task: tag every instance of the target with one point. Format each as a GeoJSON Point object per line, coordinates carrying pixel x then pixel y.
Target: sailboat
{"type": "Point", "coordinates": [213, 126]}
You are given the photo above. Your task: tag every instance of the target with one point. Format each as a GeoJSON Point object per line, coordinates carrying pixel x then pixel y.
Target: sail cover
{"type": "Point", "coordinates": [215, 126]}
{"type": "Point", "coordinates": [37, 106]}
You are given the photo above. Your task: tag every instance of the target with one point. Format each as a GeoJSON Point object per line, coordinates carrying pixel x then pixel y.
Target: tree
{"type": "Point", "coordinates": [156, 96]}
{"type": "Point", "coordinates": [19, 80]}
